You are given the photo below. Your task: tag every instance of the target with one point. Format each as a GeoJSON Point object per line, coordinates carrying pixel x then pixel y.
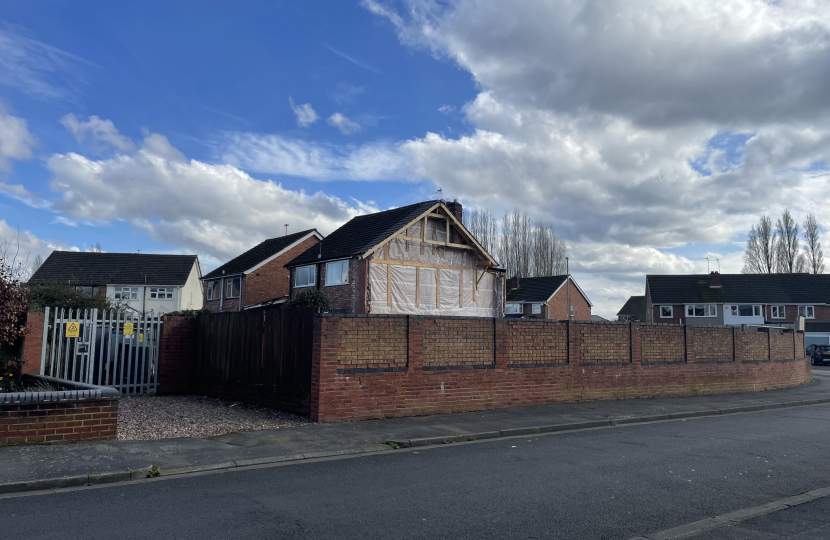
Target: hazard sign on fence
{"type": "Point", "coordinates": [128, 328]}
{"type": "Point", "coordinates": [72, 329]}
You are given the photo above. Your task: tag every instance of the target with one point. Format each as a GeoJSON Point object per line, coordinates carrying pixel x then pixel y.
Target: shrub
{"type": "Point", "coordinates": [63, 295]}
{"type": "Point", "coordinates": [188, 312]}
{"type": "Point", "coordinates": [310, 298]}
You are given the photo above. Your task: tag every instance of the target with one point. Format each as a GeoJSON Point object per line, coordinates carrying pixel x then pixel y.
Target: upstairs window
{"type": "Point", "coordinates": [126, 293]}
{"type": "Point", "coordinates": [513, 308]}
{"type": "Point", "coordinates": [778, 312]}
{"type": "Point", "coordinates": [745, 311]}
{"type": "Point", "coordinates": [304, 276]}
{"type": "Point", "coordinates": [337, 273]}
{"type": "Point", "coordinates": [807, 312]}
{"type": "Point", "coordinates": [233, 285]}
{"type": "Point", "coordinates": [702, 310]}
{"type": "Point", "coordinates": [536, 309]}
{"type": "Point", "coordinates": [161, 293]}
{"type": "Point", "coordinates": [666, 312]}
{"type": "Point", "coordinates": [213, 289]}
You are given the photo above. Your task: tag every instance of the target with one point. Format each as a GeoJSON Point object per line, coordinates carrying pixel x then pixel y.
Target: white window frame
{"type": "Point", "coordinates": [778, 312]}
{"type": "Point", "coordinates": [310, 271]}
{"type": "Point", "coordinates": [166, 292]}
{"type": "Point", "coordinates": [132, 293]}
{"type": "Point", "coordinates": [339, 272]}
{"type": "Point", "coordinates": [229, 287]}
{"type": "Point", "coordinates": [517, 308]}
{"type": "Point", "coordinates": [709, 310]}
{"type": "Point", "coordinates": [214, 286]}
{"type": "Point", "coordinates": [809, 311]}
{"type": "Point", "coordinates": [536, 309]}
{"type": "Point", "coordinates": [671, 312]}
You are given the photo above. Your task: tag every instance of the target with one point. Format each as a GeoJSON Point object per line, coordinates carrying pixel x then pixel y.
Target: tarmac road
{"type": "Point", "coordinates": [607, 483]}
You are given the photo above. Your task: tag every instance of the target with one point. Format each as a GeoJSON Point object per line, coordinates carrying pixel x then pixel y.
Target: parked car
{"type": "Point", "coordinates": [819, 354]}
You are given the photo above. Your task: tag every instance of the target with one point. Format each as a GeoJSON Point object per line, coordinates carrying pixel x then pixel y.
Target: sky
{"type": "Point", "coordinates": [652, 134]}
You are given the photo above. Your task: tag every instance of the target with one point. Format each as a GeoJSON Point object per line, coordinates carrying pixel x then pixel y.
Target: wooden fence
{"type": "Point", "coordinates": [259, 356]}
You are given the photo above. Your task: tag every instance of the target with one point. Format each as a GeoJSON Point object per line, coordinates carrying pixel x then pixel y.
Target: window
{"type": "Point", "coordinates": [778, 312]}
{"type": "Point", "coordinates": [213, 289]}
{"type": "Point", "coordinates": [702, 310]}
{"type": "Point", "coordinates": [161, 293]}
{"type": "Point", "coordinates": [806, 312]}
{"type": "Point", "coordinates": [536, 309]}
{"type": "Point", "coordinates": [304, 276]}
{"type": "Point", "coordinates": [90, 291]}
{"type": "Point", "coordinates": [745, 311]}
{"type": "Point", "coordinates": [666, 312]}
{"type": "Point", "coordinates": [337, 273]}
{"type": "Point", "coordinates": [514, 308]}
{"type": "Point", "coordinates": [232, 287]}
{"type": "Point", "coordinates": [126, 293]}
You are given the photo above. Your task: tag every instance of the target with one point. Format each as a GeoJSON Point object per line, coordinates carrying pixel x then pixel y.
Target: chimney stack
{"type": "Point", "coordinates": [514, 283]}
{"type": "Point", "coordinates": [714, 280]}
{"type": "Point", "coordinates": [455, 208]}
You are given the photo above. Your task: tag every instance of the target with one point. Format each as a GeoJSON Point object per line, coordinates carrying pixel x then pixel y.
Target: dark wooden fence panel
{"type": "Point", "coordinates": [258, 356]}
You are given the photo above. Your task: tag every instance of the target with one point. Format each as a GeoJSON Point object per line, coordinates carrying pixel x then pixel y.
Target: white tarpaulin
{"type": "Point", "coordinates": [452, 287]}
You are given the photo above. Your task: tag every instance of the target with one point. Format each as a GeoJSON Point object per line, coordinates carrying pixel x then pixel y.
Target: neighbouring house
{"type": "Point", "coordinates": [546, 298]}
{"type": "Point", "coordinates": [598, 318]}
{"type": "Point", "coordinates": [417, 259]}
{"type": "Point", "coordinates": [634, 310]}
{"type": "Point", "coordinates": [257, 277]}
{"type": "Point", "coordinates": [145, 282]}
{"type": "Point", "coordinates": [737, 299]}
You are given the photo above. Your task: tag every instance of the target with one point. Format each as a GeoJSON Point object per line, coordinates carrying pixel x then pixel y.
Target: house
{"type": "Point", "coordinates": [547, 298]}
{"type": "Point", "coordinates": [144, 282]}
{"type": "Point", "coordinates": [736, 299]}
{"type": "Point", "coordinates": [634, 309]}
{"type": "Point", "coordinates": [258, 276]}
{"type": "Point", "coordinates": [417, 259]}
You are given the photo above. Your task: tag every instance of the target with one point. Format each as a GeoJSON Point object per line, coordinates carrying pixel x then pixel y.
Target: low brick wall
{"type": "Point", "coordinates": [83, 420]}
{"type": "Point", "coordinates": [488, 364]}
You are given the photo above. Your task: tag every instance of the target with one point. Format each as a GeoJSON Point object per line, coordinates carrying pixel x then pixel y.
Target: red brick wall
{"type": "Point", "coordinates": [755, 346]}
{"type": "Point", "coordinates": [346, 299]}
{"type": "Point", "coordinates": [176, 349]}
{"type": "Point", "coordinates": [271, 280]}
{"type": "Point", "coordinates": [533, 363]}
{"type": "Point", "coordinates": [557, 306]}
{"type": "Point", "coordinates": [91, 420]}
{"type": "Point", "coordinates": [33, 343]}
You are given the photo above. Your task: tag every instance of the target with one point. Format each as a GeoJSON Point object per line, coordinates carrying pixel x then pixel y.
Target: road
{"type": "Point", "coordinates": [614, 483]}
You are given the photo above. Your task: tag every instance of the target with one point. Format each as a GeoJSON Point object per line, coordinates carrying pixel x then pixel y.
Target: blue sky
{"type": "Point", "coordinates": [647, 136]}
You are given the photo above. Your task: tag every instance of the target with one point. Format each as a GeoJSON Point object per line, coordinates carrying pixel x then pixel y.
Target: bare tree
{"type": "Point", "coordinates": [788, 252]}
{"type": "Point", "coordinates": [37, 263]}
{"type": "Point", "coordinates": [814, 257]}
{"type": "Point", "coordinates": [483, 226]}
{"type": "Point", "coordinates": [548, 251]}
{"type": "Point", "coordinates": [96, 248]}
{"type": "Point", "coordinates": [760, 256]}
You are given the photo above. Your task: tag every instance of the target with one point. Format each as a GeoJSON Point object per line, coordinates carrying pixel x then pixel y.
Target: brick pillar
{"type": "Point", "coordinates": [33, 343]}
{"type": "Point", "coordinates": [738, 344]}
{"type": "Point", "coordinates": [574, 344]}
{"type": "Point", "coordinates": [688, 333]}
{"type": "Point", "coordinates": [177, 349]}
{"type": "Point", "coordinates": [324, 366]}
{"type": "Point", "coordinates": [636, 343]}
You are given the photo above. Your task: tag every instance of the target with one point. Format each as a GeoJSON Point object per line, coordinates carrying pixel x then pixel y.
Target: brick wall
{"type": "Point", "coordinates": [176, 349]}
{"type": "Point", "coordinates": [272, 279]}
{"type": "Point", "coordinates": [782, 345]}
{"type": "Point", "coordinates": [532, 363]}
{"type": "Point", "coordinates": [33, 343]}
{"type": "Point", "coordinates": [89, 420]}
{"type": "Point", "coordinates": [557, 306]}
{"type": "Point", "coordinates": [755, 346]}
{"type": "Point", "coordinates": [368, 343]}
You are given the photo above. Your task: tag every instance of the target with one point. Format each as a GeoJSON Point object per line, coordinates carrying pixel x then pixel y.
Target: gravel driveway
{"type": "Point", "coordinates": [145, 418]}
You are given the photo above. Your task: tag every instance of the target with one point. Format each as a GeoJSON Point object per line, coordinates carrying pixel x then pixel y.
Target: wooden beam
{"type": "Point", "coordinates": [417, 286]}
{"type": "Point", "coordinates": [447, 238]}
{"type": "Point", "coordinates": [475, 281]}
{"type": "Point", "coordinates": [418, 264]}
{"type": "Point", "coordinates": [423, 234]}
{"type": "Point", "coordinates": [437, 216]}
{"type": "Point", "coordinates": [388, 285]}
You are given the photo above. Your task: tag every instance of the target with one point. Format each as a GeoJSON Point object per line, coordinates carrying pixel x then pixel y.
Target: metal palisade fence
{"type": "Point", "coordinates": [108, 348]}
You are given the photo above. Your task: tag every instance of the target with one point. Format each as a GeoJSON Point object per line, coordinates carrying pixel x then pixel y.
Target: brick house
{"type": "Point", "coordinates": [737, 299]}
{"type": "Point", "coordinates": [417, 259]}
{"type": "Point", "coordinates": [546, 298]}
{"type": "Point", "coordinates": [258, 276]}
{"type": "Point", "coordinates": [634, 309]}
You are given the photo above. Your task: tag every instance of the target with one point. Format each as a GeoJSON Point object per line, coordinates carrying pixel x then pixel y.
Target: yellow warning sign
{"type": "Point", "coordinates": [128, 328]}
{"type": "Point", "coordinates": [72, 329]}
{"type": "Point", "coordinates": [140, 337]}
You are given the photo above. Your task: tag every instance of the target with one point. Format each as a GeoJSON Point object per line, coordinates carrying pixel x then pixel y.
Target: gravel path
{"type": "Point", "coordinates": [143, 418]}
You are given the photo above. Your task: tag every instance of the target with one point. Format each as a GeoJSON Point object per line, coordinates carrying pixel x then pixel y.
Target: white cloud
{"type": "Point", "coordinates": [28, 245]}
{"type": "Point", "coordinates": [215, 210]}
{"type": "Point", "coordinates": [306, 115]}
{"type": "Point", "coordinates": [102, 132]}
{"type": "Point", "coordinates": [15, 140]}
{"type": "Point", "coordinates": [446, 109]}
{"type": "Point", "coordinates": [341, 122]}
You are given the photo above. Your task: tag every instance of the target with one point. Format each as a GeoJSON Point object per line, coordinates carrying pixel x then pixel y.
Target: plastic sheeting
{"type": "Point", "coordinates": [453, 288]}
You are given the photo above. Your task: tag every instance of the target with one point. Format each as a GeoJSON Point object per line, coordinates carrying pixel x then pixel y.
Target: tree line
{"type": "Point", "coordinates": [523, 246]}
{"type": "Point", "coordinates": [775, 248]}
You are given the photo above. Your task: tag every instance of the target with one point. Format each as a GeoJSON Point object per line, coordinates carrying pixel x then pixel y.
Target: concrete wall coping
{"type": "Point", "coordinates": [72, 391]}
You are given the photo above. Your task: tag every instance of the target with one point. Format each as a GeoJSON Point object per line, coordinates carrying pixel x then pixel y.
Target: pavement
{"type": "Point", "coordinates": [39, 467]}
{"type": "Point", "coordinates": [809, 521]}
{"type": "Point", "coordinates": [653, 481]}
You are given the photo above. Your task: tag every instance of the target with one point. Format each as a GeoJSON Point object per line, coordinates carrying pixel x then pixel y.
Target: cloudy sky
{"type": "Point", "coordinates": [651, 134]}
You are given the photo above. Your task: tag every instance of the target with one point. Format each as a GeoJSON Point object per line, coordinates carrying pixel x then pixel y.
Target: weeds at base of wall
{"type": "Point", "coordinates": [394, 445]}
{"type": "Point", "coordinates": [154, 471]}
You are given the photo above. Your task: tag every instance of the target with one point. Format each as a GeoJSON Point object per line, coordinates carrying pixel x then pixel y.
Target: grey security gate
{"type": "Point", "coordinates": [107, 348]}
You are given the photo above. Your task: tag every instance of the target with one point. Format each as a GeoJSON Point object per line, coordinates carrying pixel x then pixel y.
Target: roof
{"type": "Point", "coordinates": [97, 269]}
{"type": "Point", "coordinates": [597, 318]}
{"type": "Point", "coordinates": [361, 234]}
{"type": "Point", "coordinates": [537, 289]}
{"type": "Point", "coordinates": [741, 288]}
{"type": "Point", "coordinates": [635, 305]}
{"type": "Point", "coordinates": [258, 253]}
